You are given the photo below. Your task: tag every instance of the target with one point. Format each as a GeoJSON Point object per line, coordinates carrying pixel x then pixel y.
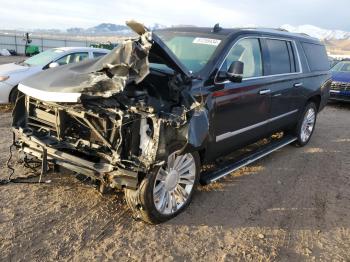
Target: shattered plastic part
{"type": "Point", "coordinates": [104, 77]}
{"type": "Point", "coordinates": [147, 144]}
{"type": "Point", "coordinates": [127, 62]}
{"type": "Point", "coordinates": [144, 137]}
{"type": "Point", "coordinates": [198, 129]}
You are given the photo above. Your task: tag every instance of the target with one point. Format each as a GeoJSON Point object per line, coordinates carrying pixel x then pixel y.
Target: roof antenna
{"type": "Point", "coordinates": [216, 28]}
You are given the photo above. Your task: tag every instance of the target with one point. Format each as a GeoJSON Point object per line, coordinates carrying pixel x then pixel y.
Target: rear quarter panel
{"type": "Point", "coordinates": [315, 84]}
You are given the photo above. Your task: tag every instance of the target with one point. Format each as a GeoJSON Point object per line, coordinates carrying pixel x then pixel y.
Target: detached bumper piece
{"type": "Point", "coordinates": [46, 150]}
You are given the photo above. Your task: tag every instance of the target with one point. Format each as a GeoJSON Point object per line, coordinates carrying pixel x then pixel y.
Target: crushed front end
{"type": "Point", "coordinates": [105, 143]}
{"type": "Point", "coordinates": [121, 125]}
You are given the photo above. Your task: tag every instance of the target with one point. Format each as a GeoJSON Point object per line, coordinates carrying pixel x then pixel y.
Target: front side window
{"type": "Point", "coordinates": [73, 58]}
{"type": "Point", "coordinates": [247, 51]}
{"type": "Point", "coordinates": [280, 57]}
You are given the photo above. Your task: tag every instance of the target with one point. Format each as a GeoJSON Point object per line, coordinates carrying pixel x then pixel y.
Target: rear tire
{"type": "Point", "coordinates": [167, 190]}
{"type": "Point", "coordinates": [306, 125]}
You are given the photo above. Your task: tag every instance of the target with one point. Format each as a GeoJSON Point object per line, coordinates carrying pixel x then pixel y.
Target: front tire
{"type": "Point", "coordinates": [167, 190]}
{"type": "Point", "coordinates": [306, 125]}
{"type": "Point", "coordinates": [13, 95]}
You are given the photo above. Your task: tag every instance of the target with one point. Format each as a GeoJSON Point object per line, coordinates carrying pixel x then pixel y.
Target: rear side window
{"type": "Point", "coordinates": [73, 58]}
{"type": "Point", "coordinates": [316, 56]}
{"type": "Point", "coordinates": [98, 54]}
{"type": "Point", "coordinates": [281, 55]}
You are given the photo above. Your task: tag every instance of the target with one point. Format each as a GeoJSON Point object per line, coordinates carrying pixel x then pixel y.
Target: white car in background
{"type": "Point", "coordinates": [12, 74]}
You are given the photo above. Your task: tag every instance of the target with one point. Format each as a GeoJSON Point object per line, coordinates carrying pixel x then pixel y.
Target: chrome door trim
{"type": "Point", "coordinates": [298, 84]}
{"type": "Point", "coordinates": [245, 129]}
{"type": "Point", "coordinates": [264, 91]}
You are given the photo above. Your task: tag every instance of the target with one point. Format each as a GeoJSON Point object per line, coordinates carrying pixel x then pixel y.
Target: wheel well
{"type": "Point", "coordinates": [316, 99]}
{"type": "Point", "coordinates": [13, 89]}
{"type": "Point", "coordinates": [201, 154]}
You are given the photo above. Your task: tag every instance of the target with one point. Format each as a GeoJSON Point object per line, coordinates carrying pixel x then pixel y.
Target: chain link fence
{"type": "Point", "coordinates": [13, 41]}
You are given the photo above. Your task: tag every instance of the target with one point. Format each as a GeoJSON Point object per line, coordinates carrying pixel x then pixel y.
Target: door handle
{"type": "Point", "coordinates": [264, 91]}
{"type": "Point", "coordinates": [298, 84]}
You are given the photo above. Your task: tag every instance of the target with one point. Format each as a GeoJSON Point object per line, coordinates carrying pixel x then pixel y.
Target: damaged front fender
{"type": "Point", "coordinates": [198, 128]}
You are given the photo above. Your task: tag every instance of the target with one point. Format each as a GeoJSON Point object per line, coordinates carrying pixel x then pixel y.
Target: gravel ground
{"type": "Point", "coordinates": [293, 205]}
{"type": "Point", "coordinates": [11, 59]}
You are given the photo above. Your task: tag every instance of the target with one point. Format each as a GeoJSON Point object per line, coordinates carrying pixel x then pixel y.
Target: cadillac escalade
{"type": "Point", "coordinates": [147, 116]}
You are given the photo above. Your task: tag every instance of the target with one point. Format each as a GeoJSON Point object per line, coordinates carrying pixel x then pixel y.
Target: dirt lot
{"type": "Point", "coordinates": [11, 59]}
{"type": "Point", "coordinates": [292, 205]}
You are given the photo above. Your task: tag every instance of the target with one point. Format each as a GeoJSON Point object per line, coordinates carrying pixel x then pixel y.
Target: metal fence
{"type": "Point", "coordinates": [16, 42]}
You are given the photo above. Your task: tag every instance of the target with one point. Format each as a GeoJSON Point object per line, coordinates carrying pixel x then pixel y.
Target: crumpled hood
{"type": "Point", "coordinates": [105, 76]}
{"type": "Point", "coordinates": [8, 69]}
{"type": "Point", "coordinates": [341, 76]}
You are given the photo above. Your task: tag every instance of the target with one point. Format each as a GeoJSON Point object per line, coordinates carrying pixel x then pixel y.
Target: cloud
{"type": "Point", "coordinates": [85, 13]}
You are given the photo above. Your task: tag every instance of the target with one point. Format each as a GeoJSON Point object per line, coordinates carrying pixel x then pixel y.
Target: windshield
{"type": "Point", "coordinates": [43, 58]}
{"type": "Point", "coordinates": [341, 67]}
{"type": "Point", "coordinates": [192, 49]}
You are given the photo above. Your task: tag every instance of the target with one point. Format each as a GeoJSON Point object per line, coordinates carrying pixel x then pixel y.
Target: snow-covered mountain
{"type": "Point", "coordinates": [108, 28]}
{"type": "Point", "coordinates": [317, 32]}
{"type": "Point", "coordinates": [311, 30]}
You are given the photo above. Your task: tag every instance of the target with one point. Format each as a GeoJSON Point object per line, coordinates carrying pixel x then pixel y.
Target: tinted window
{"type": "Point", "coordinates": [98, 54]}
{"type": "Point", "coordinates": [73, 58]}
{"type": "Point", "coordinates": [247, 51]}
{"type": "Point", "coordinates": [280, 58]}
{"type": "Point", "coordinates": [316, 56]}
{"type": "Point", "coordinates": [342, 67]}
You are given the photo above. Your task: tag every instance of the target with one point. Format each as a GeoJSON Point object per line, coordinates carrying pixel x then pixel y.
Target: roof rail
{"type": "Point", "coordinates": [282, 29]}
{"type": "Point", "coordinates": [276, 29]}
{"type": "Point", "coordinates": [304, 34]}
{"type": "Point", "coordinates": [285, 30]}
{"type": "Point", "coordinates": [267, 28]}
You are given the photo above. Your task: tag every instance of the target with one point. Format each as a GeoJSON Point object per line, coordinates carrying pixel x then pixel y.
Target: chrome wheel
{"type": "Point", "coordinates": [308, 125]}
{"type": "Point", "coordinates": [174, 184]}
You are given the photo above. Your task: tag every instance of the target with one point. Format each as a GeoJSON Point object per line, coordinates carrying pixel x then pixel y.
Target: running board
{"type": "Point", "coordinates": [209, 177]}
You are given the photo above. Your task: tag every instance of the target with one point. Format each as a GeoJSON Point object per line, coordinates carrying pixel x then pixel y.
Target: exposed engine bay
{"type": "Point", "coordinates": [126, 117]}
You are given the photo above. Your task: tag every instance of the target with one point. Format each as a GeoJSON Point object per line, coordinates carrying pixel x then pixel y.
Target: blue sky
{"type": "Point", "coordinates": [63, 14]}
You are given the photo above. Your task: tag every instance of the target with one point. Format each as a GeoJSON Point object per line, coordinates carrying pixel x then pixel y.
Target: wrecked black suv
{"type": "Point", "coordinates": [146, 117]}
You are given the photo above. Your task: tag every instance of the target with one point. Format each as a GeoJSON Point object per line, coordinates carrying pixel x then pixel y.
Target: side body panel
{"type": "Point", "coordinates": [239, 111]}
{"type": "Point", "coordinates": [239, 115]}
